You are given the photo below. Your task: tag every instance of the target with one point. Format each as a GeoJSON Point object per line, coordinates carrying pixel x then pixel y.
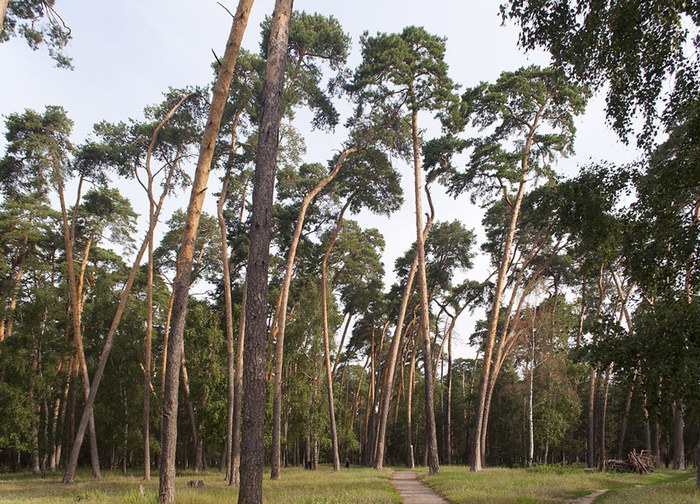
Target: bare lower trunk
{"type": "Point", "coordinates": [393, 352]}
{"type": "Point", "coordinates": [448, 442]}
{"type": "Point", "coordinates": [146, 425]}
{"type": "Point", "coordinates": [252, 444]}
{"type": "Point", "coordinates": [603, 457]}
{"type": "Point", "coordinates": [476, 451]}
{"type": "Point", "coordinates": [72, 463]}
{"type": "Point", "coordinates": [237, 402]}
{"type": "Point", "coordinates": [228, 307]}
{"type": "Point", "coordinates": [623, 426]}
{"type": "Point", "coordinates": [186, 253]}
{"type": "Point", "coordinates": [678, 431]}
{"type": "Point", "coordinates": [590, 440]}
{"type": "Point", "coordinates": [410, 454]}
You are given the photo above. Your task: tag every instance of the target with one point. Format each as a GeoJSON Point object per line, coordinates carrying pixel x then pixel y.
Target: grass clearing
{"type": "Point", "coordinates": [540, 485]}
{"type": "Point", "coordinates": [362, 486]}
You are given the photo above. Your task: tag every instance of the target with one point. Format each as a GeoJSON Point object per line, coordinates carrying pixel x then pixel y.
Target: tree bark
{"type": "Point", "coordinates": [72, 463]}
{"type": "Point", "coordinates": [394, 347]}
{"type": "Point", "coordinates": [476, 464]}
{"type": "Point", "coordinates": [282, 320]}
{"type": "Point", "coordinates": [628, 408]}
{"type": "Point", "coordinates": [590, 440]}
{"type": "Point", "coordinates": [449, 395]}
{"type": "Point", "coordinates": [76, 312]}
{"type": "Point", "coordinates": [252, 444]}
{"type": "Point", "coordinates": [238, 391]}
{"type": "Point", "coordinates": [228, 307]}
{"type": "Point", "coordinates": [146, 427]}
{"type": "Point", "coordinates": [603, 457]}
{"type": "Point", "coordinates": [678, 431]}
{"type": "Point", "coordinates": [424, 331]}
{"type": "Point", "coordinates": [166, 493]}
{"type": "Point", "coordinates": [410, 453]}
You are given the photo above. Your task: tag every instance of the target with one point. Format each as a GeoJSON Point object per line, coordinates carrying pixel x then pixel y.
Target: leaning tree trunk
{"type": "Point", "coordinates": [394, 348]}
{"type": "Point", "coordinates": [252, 444]}
{"type": "Point", "coordinates": [424, 331]}
{"type": "Point", "coordinates": [68, 239]}
{"type": "Point", "coordinates": [228, 307]}
{"type": "Point", "coordinates": [186, 253]}
{"type": "Point", "coordinates": [476, 464]}
{"type": "Point", "coordinates": [326, 335]}
{"type": "Point", "coordinates": [72, 463]}
{"type": "Point", "coordinates": [410, 453]}
{"type": "Point", "coordinates": [282, 320]}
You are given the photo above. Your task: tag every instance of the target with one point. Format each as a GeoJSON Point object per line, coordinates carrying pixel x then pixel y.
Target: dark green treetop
{"type": "Point", "coordinates": [633, 46]}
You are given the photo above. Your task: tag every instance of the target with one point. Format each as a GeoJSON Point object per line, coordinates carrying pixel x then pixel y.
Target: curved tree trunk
{"type": "Point", "coordinates": [72, 463]}
{"type": "Point", "coordinates": [476, 464]}
{"type": "Point", "coordinates": [282, 317]}
{"type": "Point", "coordinates": [326, 335]}
{"type": "Point", "coordinates": [394, 348]}
{"type": "Point", "coordinates": [424, 328]}
{"type": "Point", "coordinates": [252, 444]}
{"type": "Point", "coordinates": [75, 307]}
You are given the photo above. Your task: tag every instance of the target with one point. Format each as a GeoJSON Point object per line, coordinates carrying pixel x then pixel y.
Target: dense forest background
{"type": "Point", "coordinates": [584, 286]}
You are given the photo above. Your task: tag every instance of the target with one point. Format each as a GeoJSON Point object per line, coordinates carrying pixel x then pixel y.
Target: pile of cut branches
{"type": "Point", "coordinates": [641, 463]}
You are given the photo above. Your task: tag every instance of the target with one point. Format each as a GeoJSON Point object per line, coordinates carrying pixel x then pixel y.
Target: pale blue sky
{"type": "Point", "coordinates": [127, 53]}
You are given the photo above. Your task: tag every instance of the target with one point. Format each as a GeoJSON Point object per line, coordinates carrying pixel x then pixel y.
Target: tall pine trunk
{"type": "Point", "coordinates": [252, 444]}
{"type": "Point", "coordinates": [237, 394]}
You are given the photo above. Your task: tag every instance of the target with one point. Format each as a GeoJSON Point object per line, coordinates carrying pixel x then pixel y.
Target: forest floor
{"type": "Point", "coordinates": [355, 485]}
{"type": "Point", "coordinates": [539, 485]}
{"type": "Point", "coordinates": [557, 484]}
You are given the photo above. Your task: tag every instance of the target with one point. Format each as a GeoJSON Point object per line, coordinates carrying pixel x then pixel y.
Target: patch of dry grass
{"type": "Point", "coordinates": [362, 486]}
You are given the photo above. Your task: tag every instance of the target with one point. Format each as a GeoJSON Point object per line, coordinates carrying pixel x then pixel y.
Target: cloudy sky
{"type": "Point", "coordinates": [127, 53]}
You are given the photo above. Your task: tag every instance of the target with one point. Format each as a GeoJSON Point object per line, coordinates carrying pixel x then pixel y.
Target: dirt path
{"type": "Point", "coordinates": [413, 491]}
{"type": "Point", "coordinates": [588, 499]}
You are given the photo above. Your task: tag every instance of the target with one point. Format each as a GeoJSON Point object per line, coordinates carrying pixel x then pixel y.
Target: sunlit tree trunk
{"type": "Point", "coordinates": [410, 452]}
{"type": "Point", "coordinates": [238, 391]}
{"type": "Point", "coordinates": [186, 252]}
{"type": "Point", "coordinates": [282, 318]}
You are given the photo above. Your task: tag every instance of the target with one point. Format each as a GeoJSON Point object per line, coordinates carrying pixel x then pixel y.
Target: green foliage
{"type": "Point", "coordinates": [528, 120]}
{"type": "Point", "coordinates": [406, 68]}
{"type": "Point", "coordinates": [18, 415]}
{"type": "Point", "coordinates": [39, 24]}
{"type": "Point", "coordinates": [632, 46]}
{"type": "Point", "coordinates": [313, 39]}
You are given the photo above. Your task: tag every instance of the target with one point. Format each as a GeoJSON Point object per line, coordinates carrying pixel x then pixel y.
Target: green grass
{"type": "Point", "coordinates": [366, 486]}
{"type": "Point", "coordinates": [541, 485]}
{"type": "Point", "coordinates": [362, 486]}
